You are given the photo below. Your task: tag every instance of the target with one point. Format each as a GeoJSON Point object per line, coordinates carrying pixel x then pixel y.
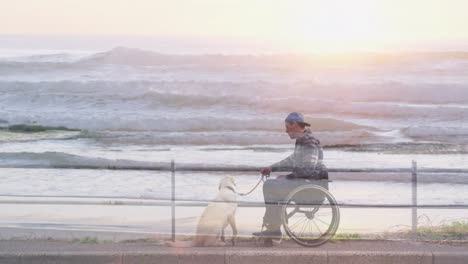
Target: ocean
{"type": "Point", "coordinates": [127, 106]}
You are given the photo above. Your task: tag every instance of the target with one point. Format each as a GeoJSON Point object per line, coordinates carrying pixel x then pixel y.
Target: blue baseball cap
{"type": "Point", "coordinates": [296, 117]}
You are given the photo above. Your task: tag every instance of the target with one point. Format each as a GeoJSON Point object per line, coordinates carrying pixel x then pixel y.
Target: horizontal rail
{"type": "Point", "coordinates": [197, 203]}
{"type": "Point", "coordinates": [214, 168]}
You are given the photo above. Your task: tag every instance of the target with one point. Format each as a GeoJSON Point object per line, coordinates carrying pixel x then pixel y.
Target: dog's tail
{"type": "Point", "coordinates": [179, 244]}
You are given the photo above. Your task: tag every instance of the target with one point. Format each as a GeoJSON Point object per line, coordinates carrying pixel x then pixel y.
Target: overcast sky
{"type": "Point", "coordinates": [316, 24]}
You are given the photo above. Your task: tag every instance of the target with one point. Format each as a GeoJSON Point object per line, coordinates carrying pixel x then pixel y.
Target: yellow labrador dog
{"type": "Point", "coordinates": [215, 218]}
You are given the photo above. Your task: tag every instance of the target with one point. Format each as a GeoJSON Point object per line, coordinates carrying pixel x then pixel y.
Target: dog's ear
{"type": "Point", "coordinates": [225, 182]}
{"type": "Point", "coordinates": [222, 182]}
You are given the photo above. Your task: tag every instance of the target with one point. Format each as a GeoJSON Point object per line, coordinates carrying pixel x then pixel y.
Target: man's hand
{"type": "Point", "coordinates": [266, 171]}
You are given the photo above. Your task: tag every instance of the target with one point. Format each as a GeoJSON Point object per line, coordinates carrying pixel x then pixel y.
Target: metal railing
{"type": "Point", "coordinates": [142, 201]}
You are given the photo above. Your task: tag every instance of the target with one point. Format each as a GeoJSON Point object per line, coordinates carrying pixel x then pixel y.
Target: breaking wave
{"type": "Point", "coordinates": [405, 148]}
{"type": "Point", "coordinates": [24, 132]}
{"type": "Point", "coordinates": [131, 90]}
{"type": "Point", "coordinates": [66, 160]}
{"type": "Point", "coordinates": [438, 62]}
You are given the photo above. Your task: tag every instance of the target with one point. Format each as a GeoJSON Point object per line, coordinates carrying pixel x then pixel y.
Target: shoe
{"type": "Point", "coordinates": [268, 233]}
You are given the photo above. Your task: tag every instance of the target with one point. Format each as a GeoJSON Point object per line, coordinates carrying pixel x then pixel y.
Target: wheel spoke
{"type": "Point", "coordinates": [303, 228]}
{"type": "Point", "coordinates": [299, 221]}
{"type": "Point", "coordinates": [310, 230]}
{"type": "Point", "coordinates": [320, 231]}
{"type": "Point", "coordinates": [322, 221]}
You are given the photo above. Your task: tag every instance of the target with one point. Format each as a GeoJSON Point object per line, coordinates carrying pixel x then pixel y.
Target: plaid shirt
{"type": "Point", "coordinates": [306, 160]}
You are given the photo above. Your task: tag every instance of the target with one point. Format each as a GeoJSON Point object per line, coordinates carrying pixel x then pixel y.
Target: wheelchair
{"type": "Point", "coordinates": [310, 215]}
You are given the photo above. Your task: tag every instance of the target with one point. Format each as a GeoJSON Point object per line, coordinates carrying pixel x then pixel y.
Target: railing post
{"type": "Point", "coordinates": [173, 199]}
{"type": "Point", "coordinates": [414, 180]}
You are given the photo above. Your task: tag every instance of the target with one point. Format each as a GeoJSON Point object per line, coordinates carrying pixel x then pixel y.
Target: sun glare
{"type": "Point", "coordinates": [311, 26]}
{"type": "Point", "coordinates": [329, 26]}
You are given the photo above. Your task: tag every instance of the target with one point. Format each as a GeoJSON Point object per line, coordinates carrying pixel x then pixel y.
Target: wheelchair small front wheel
{"type": "Point", "coordinates": [310, 215]}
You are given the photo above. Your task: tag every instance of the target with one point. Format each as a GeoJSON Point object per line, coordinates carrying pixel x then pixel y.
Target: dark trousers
{"type": "Point", "coordinates": [276, 191]}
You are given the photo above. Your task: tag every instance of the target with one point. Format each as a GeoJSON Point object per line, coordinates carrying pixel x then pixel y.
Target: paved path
{"type": "Point", "coordinates": [40, 251]}
{"type": "Point", "coordinates": [28, 246]}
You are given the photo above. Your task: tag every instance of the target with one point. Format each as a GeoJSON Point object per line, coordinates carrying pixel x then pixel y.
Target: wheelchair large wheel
{"type": "Point", "coordinates": [310, 215]}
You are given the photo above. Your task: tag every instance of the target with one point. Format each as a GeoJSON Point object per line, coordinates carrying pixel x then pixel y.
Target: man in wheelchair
{"type": "Point", "coordinates": [305, 164]}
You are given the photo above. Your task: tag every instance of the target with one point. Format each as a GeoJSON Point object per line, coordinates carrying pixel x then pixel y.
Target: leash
{"type": "Point", "coordinates": [264, 176]}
